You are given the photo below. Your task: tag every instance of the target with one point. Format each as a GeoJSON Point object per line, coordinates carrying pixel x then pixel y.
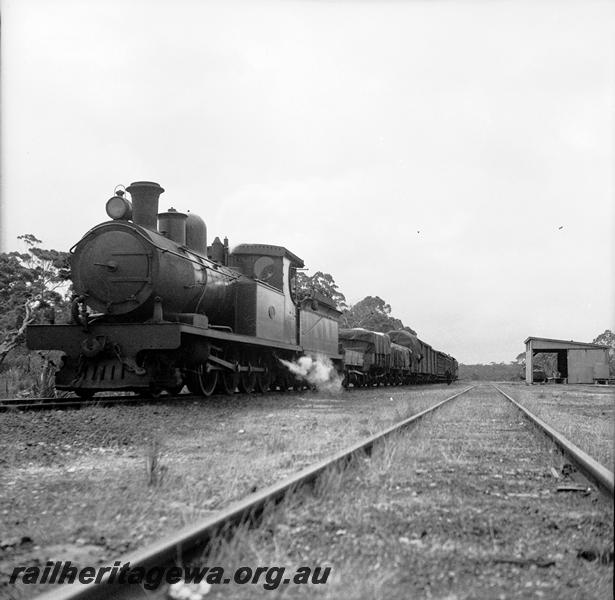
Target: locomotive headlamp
{"type": "Point", "coordinates": [119, 208]}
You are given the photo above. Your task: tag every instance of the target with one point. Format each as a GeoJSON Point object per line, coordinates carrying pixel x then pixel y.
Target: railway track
{"type": "Point", "coordinates": [33, 404]}
{"type": "Point", "coordinates": [74, 402]}
{"type": "Point", "coordinates": [193, 541]}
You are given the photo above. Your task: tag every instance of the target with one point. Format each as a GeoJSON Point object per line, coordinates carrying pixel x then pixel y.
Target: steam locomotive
{"type": "Point", "coordinates": [155, 308]}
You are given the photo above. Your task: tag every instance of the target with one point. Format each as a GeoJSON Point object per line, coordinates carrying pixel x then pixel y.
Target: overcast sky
{"type": "Point", "coordinates": [454, 157]}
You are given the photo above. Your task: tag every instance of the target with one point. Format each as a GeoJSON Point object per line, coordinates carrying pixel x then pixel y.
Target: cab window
{"type": "Point", "coordinates": [264, 269]}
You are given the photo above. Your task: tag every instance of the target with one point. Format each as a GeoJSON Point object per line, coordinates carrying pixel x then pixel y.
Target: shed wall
{"type": "Point", "coordinates": [584, 365]}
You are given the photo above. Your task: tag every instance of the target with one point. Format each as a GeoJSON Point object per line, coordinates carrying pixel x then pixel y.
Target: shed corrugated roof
{"type": "Point", "coordinates": [566, 342]}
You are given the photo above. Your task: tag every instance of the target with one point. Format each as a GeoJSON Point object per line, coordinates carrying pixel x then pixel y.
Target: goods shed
{"type": "Point", "coordinates": [577, 362]}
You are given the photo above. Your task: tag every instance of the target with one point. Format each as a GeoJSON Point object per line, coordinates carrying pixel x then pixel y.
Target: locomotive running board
{"type": "Point", "coordinates": [217, 334]}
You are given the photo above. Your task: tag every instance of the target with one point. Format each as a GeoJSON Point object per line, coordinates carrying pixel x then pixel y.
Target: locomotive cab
{"type": "Point", "coordinates": [273, 265]}
{"type": "Point", "coordinates": [311, 323]}
{"type": "Point", "coordinates": [265, 305]}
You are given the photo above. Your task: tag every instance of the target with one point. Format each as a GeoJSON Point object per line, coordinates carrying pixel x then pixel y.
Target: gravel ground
{"type": "Point", "coordinates": [89, 485]}
{"type": "Point", "coordinates": [463, 506]}
{"type": "Point", "coordinates": [584, 414]}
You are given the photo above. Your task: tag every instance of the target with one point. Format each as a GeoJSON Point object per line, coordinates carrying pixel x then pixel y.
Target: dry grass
{"type": "Point", "coordinates": [155, 469]}
{"type": "Point", "coordinates": [30, 376]}
{"type": "Point", "coordinates": [15, 384]}
{"type": "Point", "coordinates": [583, 414]}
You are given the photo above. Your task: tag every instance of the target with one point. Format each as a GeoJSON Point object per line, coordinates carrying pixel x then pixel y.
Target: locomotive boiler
{"type": "Point", "coordinates": [129, 270]}
{"type": "Point", "coordinates": [155, 308]}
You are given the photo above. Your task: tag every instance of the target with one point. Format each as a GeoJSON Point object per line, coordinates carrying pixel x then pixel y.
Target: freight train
{"type": "Point", "coordinates": [393, 358]}
{"type": "Point", "coordinates": [155, 308]}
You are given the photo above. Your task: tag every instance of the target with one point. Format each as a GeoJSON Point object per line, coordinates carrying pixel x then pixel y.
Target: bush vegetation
{"type": "Point", "coordinates": [35, 288]}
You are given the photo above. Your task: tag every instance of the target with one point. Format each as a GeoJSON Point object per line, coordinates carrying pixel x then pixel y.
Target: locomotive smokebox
{"type": "Point", "coordinates": [145, 196]}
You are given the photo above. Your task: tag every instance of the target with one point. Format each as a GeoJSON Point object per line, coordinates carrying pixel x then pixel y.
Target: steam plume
{"type": "Point", "coordinates": [316, 370]}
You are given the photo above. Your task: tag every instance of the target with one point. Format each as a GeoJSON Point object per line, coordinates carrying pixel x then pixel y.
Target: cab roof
{"type": "Point", "coordinates": [268, 250]}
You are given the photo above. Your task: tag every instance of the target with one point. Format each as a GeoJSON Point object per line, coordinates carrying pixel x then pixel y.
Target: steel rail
{"type": "Point", "coordinates": [61, 399]}
{"type": "Point", "coordinates": [65, 404]}
{"type": "Point", "coordinates": [591, 468]}
{"type": "Point", "coordinates": [75, 402]}
{"type": "Point", "coordinates": [170, 550]}
{"type": "Point", "coordinates": [29, 400]}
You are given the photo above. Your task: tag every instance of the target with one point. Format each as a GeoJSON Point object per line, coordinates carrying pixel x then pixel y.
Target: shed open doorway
{"type": "Point", "coordinates": [550, 366]}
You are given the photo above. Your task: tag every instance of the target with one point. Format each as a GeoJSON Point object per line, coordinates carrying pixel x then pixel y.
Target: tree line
{"type": "Point", "coordinates": [35, 287]}
{"type": "Point", "coordinates": [372, 312]}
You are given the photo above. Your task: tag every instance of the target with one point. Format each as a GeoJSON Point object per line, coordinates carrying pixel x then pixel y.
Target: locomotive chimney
{"type": "Point", "coordinates": [145, 196]}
